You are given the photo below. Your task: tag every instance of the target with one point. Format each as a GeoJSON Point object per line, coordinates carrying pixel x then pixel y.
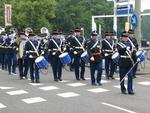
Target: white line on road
{"type": "Point", "coordinates": [76, 84]}
{"type": "Point", "coordinates": [18, 92]}
{"type": "Point", "coordinates": [48, 88]}
{"type": "Point", "coordinates": [117, 107]}
{"type": "Point", "coordinates": [68, 94]}
{"type": "Point", "coordinates": [2, 106]}
{"type": "Point", "coordinates": [33, 100]}
{"type": "Point", "coordinates": [2, 87]}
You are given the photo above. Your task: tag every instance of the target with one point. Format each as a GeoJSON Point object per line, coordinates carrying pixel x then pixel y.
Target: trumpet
{"type": "Point", "coordinates": [44, 30]}
{"type": "Point", "coordinates": [28, 30]}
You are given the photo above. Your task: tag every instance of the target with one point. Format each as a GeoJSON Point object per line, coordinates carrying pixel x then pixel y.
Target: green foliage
{"type": "Point", "coordinates": [61, 14]}
{"type": "Point", "coordinates": [146, 26]}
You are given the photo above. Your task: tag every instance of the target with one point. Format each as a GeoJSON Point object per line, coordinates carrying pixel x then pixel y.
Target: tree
{"type": "Point", "coordinates": [32, 13]}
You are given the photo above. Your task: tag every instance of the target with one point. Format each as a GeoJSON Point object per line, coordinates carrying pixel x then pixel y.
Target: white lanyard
{"type": "Point", "coordinates": [57, 44]}
{"type": "Point", "coordinates": [111, 46]}
{"type": "Point", "coordinates": [94, 45]}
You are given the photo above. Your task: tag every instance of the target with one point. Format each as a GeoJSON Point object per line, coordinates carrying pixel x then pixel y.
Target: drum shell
{"type": "Point", "coordinates": [66, 59]}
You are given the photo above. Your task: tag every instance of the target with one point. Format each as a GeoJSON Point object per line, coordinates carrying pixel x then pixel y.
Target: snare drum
{"type": "Point", "coordinates": [65, 58]}
{"type": "Point", "coordinates": [140, 55]}
{"type": "Point", "coordinates": [115, 57]}
{"type": "Point", "coordinates": [41, 62]}
{"type": "Point", "coordinates": [85, 57]}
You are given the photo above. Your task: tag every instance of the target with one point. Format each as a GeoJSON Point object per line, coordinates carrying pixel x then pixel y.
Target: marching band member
{"type": "Point", "coordinates": [55, 49]}
{"type": "Point", "coordinates": [108, 49]}
{"type": "Point", "coordinates": [43, 46]}
{"type": "Point", "coordinates": [125, 63]}
{"type": "Point", "coordinates": [11, 45]}
{"type": "Point", "coordinates": [31, 49]}
{"type": "Point", "coordinates": [21, 56]}
{"type": "Point", "coordinates": [2, 51]}
{"type": "Point", "coordinates": [94, 51]}
{"type": "Point", "coordinates": [77, 44]}
{"type": "Point", "coordinates": [135, 46]}
{"type": "Point", "coordinates": [70, 49]}
{"type": "Point", "coordinates": [114, 65]}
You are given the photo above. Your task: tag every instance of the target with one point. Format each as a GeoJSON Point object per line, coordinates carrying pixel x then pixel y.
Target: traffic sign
{"type": "Point", "coordinates": [134, 21]}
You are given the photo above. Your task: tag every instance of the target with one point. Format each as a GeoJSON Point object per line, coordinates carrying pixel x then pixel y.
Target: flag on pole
{"type": "Point", "coordinates": [8, 15]}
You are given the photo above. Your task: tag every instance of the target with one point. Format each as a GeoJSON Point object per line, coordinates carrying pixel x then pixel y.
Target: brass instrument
{"type": "Point", "coordinates": [27, 31]}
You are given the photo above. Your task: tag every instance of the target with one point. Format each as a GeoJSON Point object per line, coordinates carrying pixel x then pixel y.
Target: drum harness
{"type": "Point", "coordinates": [111, 46]}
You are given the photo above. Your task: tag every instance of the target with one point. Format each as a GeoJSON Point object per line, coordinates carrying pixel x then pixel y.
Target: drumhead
{"type": "Point", "coordinates": [38, 59]}
{"type": "Point", "coordinates": [63, 54]}
{"type": "Point", "coordinates": [115, 55]}
{"type": "Point", "coordinates": [138, 53]}
{"type": "Point", "coordinates": [84, 54]}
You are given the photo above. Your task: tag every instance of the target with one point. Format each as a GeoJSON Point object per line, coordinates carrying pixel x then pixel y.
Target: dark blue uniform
{"type": "Point", "coordinates": [22, 62]}
{"type": "Point", "coordinates": [78, 50]}
{"type": "Point", "coordinates": [134, 43]}
{"type": "Point", "coordinates": [70, 51]}
{"type": "Point", "coordinates": [94, 51]}
{"type": "Point", "coordinates": [11, 58]}
{"type": "Point", "coordinates": [55, 60]}
{"type": "Point", "coordinates": [43, 48]}
{"type": "Point", "coordinates": [32, 55]}
{"type": "Point", "coordinates": [108, 49]}
{"type": "Point", "coordinates": [125, 64]}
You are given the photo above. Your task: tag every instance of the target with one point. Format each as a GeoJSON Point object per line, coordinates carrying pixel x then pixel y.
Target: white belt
{"type": "Point", "coordinates": [122, 56]}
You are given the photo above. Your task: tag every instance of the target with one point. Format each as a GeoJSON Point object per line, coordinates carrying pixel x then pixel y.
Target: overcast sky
{"type": "Point", "coordinates": [145, 4]}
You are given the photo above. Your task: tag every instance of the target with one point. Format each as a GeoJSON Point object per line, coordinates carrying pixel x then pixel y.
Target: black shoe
{"type": "Point", "coordinates": [59, 79]}
{"type": "Point", "coordinates": [99, 84]}
{"type": "Point", "coordinates": [124, 92]}
{"type": "Point", "coordinates": [21, 78]}
{"type": "Point", "coordinates": [32, 81]}
{"type": "Point", "coordinates": [37, 81]}
{"type": "Point", "coordinates": [131, 93]}
{"type": "Point", "coordinates": [112, 77]}
{"type": "Point", "coordinates": [83, 78]}
{"type": "Point", "coordinates": [134, 77]}
{"type": "Point", "coordinates": [56, 80]}
{"type": "Point", "coordinates": [94, 84]}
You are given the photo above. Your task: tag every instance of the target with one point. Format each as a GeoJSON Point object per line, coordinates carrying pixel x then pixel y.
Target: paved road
{"type": "Point", "coordinates": [71, 96]}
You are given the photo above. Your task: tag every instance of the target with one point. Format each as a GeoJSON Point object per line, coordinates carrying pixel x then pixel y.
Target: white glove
{"type": "Point", "coordinates": [128, 48]}
{"type": "Point", "coordinates": [138, 59]}
{"type": "Point", "coordinates": [30, 56]}
{"type": "Point", "coordinates": [64, 49]}
{"type": "Point", "coordinates": [42, 52]}
{"type": "Point", "coordinates": [92, 59]}
{"type": "Point", "coordinates": [75, 52]}
{"type": "Point", "coordinates": [54, 53]}
{"type": "Point", "coordinates": [106, 54]}
{"type": "Point", "coordinates": [17, 49]}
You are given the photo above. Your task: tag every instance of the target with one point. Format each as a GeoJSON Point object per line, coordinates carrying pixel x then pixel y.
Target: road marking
{"type": "Point", "coordinates": [68, 94]}
{"type": "Point", "coordinates": [2, 106]}
{"type": "Point", "coordinates": [18, 92]}
{"type": "Point", "coordinates": [76, 84]}
{"type": "Point", "coordinates": [98, 90]}
{"type": "Point", "coordinates": [36, 84]}
{"type": "Point", "coordinates": [47, 88]}
{"type": "Point", "coordinates": [119, 78]}
{"type": "Point", "coordinates": [118, 86]}
{"type": "Point", "coordinates": [88, 78]}
{"type": "Point", "coordinates": [64, 81]}
{"type": "Point", "coordinates": [105, 81]}
{"type": "Point", "coordinates": [33, 100]}
{"type": "Point", "coordinates": [1, 87]}
{"type": "Point", "coordinates": [146, 83]}
{"type": "Point", "coordinates": [117, 107]}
